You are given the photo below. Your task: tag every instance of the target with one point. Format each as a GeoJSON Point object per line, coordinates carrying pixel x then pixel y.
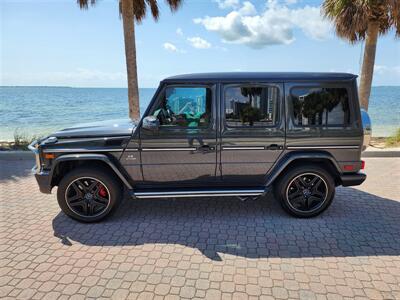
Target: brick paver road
{"type": "Point", "coordinates": [202, 248]}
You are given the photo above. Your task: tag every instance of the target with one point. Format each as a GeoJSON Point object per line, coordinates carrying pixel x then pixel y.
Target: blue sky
{"type": "Point", "coordinates": [55, 43]}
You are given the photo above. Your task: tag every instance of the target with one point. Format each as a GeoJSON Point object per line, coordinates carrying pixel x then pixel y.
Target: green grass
{"type": "Point", "coordinates": [394, 140]}
{"type": "Point", "coordinates": [21, 141]}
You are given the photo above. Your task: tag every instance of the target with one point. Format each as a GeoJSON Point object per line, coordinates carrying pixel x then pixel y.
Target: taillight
{"type": "Point", "coordinates": [362, 165]}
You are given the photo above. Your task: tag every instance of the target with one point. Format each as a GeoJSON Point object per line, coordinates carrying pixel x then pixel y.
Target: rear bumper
{"type": "Point", "coordinates": [44, 180]}
{"type": "Point", "coordinates": [353, 179]}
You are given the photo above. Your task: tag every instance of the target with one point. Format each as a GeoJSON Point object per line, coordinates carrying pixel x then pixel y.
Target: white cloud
{"type": "Point", "coordinates": [382, 69]}
{"type": "Point", "coordinates": [170, 47]}
{"type": "Point", "coordinates": [199, 43]}
{"type": "Point", "coordinates": [224, 4]}
{"type": "Point", "coordinates": [179, 31]}
{"type": "Point", "coordinates": [274, 26]}
{"type": "Point", "coordinates": [247, 9]}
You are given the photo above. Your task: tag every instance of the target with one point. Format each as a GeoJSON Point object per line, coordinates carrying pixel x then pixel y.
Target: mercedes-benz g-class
{"type": "Point", "coordinates": [217, 134]}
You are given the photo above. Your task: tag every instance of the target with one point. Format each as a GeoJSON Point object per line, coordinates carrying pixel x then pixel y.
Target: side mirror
{"type": "Point", "coordinates": [151, 123]}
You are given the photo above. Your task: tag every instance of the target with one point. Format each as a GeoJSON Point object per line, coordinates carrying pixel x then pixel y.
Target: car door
{"type": "Point", "coordinates": [252, 132]}
{"type": "Point", "coordinates": [182, 151]}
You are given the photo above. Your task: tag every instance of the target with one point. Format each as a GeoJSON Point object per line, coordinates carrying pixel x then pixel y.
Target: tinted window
{"type": "Point", "coordinates": [184, 107]}
{"type": "Point", "coordinates": [320, 106]}
{"type": "Point", "coordinates": [251, 106]}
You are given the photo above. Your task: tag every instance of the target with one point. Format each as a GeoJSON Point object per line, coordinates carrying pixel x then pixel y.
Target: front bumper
{"type": "Point", "coordinates": [43, 179]}
{"type": "Point", "coordinates": [353, 179]}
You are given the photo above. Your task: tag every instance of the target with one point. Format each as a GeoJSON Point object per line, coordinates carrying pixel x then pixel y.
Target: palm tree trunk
{"type": "Point", "coordinates": [367, 70]}
{"type": "Point", "coordinates": [130, 54]}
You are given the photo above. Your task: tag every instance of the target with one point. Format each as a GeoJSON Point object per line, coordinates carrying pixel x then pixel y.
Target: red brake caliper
{"type": "Point", "coordinates": [102, 191]}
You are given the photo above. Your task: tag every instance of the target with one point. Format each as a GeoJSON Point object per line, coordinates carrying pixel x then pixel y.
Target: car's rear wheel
{"type": "Point", "coordinates": [88, 194]}
{"type": "Point", "coordinates": [305, 191]}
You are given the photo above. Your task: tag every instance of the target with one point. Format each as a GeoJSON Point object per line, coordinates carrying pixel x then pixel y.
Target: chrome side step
{"type": "Point", "coordinates": [205, 193]}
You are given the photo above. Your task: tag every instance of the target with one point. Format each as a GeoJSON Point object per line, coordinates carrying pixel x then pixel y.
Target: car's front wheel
{"type": "Point", "coordinates": [88, 194]}
{"type": "Point", "coordinates": [305, 191]}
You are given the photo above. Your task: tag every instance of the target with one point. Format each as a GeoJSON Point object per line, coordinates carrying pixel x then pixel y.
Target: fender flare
{"type": "Point", "coordinates": [293, 156]}
{"type": "Point", "coordinates": [90, 156]}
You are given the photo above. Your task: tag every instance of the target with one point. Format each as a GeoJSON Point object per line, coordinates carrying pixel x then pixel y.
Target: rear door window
{"type": "Point", "coordinates": [251, 106]}
{"type": "Point", "coordinates": [320, 106]}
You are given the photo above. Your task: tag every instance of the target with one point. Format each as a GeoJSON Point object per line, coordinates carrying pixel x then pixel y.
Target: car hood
{"type": "Point", "coordinates": [119, 127]}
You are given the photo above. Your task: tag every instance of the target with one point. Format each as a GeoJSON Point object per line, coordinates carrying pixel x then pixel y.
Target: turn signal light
{"type": "Point", "coordinates": [49, 156]}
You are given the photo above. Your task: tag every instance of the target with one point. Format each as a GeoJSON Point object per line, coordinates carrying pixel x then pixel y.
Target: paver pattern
{"type": "Point", "coordinates": [202, 248]}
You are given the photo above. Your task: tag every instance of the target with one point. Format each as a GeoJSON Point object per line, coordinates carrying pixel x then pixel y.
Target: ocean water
{"type": "Point", "coordinates": [42, 110]}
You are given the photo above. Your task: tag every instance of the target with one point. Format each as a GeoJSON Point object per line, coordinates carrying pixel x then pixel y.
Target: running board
{"type": "Point", "coordinates": [197, 193]}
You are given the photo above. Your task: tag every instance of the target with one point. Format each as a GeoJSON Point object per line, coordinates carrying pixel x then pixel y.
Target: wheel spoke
{"type": "Point", "coordinates": [100, 199]}
{"type": "Point", "coordinates": [318, 194]}
{"type": "Point", "coordinates": [312, 201]}
{"type": "Point", "coordinates": [302, 182]}
{"type": "Point", "coordinates": [317, 183]}
{"type": "Point", "coordinates": [93, 187]}
{"type": "Point", "coordinates": [314, 181]}
{"type": "Point", "coordinates": [79, 203]}
{"type": "Point", "coordinates": [91, 208]}
{"type": "Point", "coordinates": [98, 204]}
{"type": "Point", "coordinates": [295, 194]}
{"type": "Point", "coordinates": [298, 201]}
{"type": "Point", "coordinates": [74, 198]}
{"type": "Point", "coordinates": [75, 186]}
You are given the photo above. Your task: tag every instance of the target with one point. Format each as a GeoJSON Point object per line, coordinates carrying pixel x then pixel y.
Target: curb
{"type": "Point", "coordinates": [381, 154]}
{"type": "Point", "coordinates": [17, 155]}
{"type": "Point", "coordinates": [27, 155]}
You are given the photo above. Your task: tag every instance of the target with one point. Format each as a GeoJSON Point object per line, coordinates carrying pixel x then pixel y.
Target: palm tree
{"type": "Point", "coordinates": [131, 11]}
{"type": "Point", "coordinates": [358, 20]}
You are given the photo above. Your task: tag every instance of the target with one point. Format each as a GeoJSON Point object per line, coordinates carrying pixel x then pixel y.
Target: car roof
{"type": "Point", "coordinates": [259, 76]}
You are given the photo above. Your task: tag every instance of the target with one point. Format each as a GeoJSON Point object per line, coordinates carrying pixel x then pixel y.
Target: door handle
{"type": "Point", "coordinates": [205, 148]}
{"type": "Point", "coordinates": [274, 147]}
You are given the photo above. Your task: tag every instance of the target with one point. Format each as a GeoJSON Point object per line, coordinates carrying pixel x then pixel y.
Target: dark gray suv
{"type": "Point", "coordinates": [216, 134]}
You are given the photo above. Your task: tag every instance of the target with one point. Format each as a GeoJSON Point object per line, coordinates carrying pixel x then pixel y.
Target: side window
{"type": "Point", "coordinates": [247, 106]}
{"type": "Point", "coordinates": [184, 107]}
{"type": "Point", "coordinates": [320, 106]}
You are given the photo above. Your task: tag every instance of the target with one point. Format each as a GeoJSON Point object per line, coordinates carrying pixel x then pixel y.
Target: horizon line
{"type": "Point", "coordinates": [117, 87]}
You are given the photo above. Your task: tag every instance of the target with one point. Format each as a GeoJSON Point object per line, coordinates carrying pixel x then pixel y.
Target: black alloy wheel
{"type": "Point", "coordinates": [87, 197]}
{"type": "Point", "coordinates": [89, 194]}
{"type": "Point", "coordinates": [306, 190]}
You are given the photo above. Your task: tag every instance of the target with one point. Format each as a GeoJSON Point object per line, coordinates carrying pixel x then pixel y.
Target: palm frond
{"type": "Point", "coordinates": [174, 4]}
{"type": "Point", "coordinates": [84, 4]}
{"type": "Point", "coordinates": [351, 17]}
{"type": "Point", "coordinates": [154, 8]}
{"type": "Point", "coordinates": [394, 9]}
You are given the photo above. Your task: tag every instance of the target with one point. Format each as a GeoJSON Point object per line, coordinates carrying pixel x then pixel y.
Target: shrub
{"type": "Point", "coordinates": [394, 140]}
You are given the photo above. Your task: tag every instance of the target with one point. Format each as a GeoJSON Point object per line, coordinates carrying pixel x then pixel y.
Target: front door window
{"type": "Point", "coordinates": [184, 107]}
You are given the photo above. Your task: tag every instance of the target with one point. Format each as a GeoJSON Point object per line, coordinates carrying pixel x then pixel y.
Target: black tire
{"type": "Point", "coordinates": [106, 194]}
{"type": "Point", "coordinates": [293, 191]}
